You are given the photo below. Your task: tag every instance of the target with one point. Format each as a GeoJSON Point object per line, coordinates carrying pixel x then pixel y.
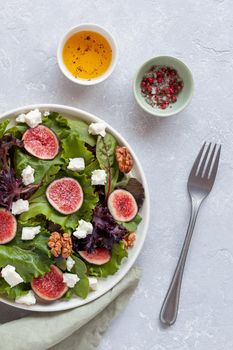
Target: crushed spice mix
{"type": "Point", "coordinates": [160, 86]}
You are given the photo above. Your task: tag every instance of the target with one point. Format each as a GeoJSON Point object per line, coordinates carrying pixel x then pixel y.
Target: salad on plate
{"type": "Point", "coordinates": [69, 206]}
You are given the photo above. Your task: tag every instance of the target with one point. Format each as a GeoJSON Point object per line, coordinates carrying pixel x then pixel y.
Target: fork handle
{"type": "Point", "coordinates": [169, 310]}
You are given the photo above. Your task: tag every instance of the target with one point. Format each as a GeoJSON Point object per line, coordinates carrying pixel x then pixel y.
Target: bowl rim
{"type": "Point", "coordinates": [111, 281]}
{"type": "Point", "coordinates": [155, 112]}
{"type": "Point", "coordinates": [95, 28]}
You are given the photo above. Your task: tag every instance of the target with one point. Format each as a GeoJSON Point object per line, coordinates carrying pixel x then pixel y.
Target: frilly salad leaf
{"type": "Point", "coordinates": [38, 245]}
{"type": "Point", "coordinates": [63, 127]}
{"type": "Point", "coordinates": [106, 232]}
{"type": "Point", "coordinates": [3, 126]}
{"type": "Point", "coordinates": [11, 186]}
{"type": "Point", "coordinates": [17, 130]}
{"type": "Point", "coordinates": [44, 169]}
{"type": "Point", "coordinates": [81, 128]}
{"type": "Point", "coordinates": [118, 253]}
{"type": "Point", "coordinates": [28, 264]}
{"type": "Point", "coordinates": [14, 292]}
{"type": "Point", "coordinates": [73, 147]}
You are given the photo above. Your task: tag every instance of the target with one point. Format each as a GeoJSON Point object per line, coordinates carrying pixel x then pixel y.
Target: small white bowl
{"type": "Point", "coordinates": [92, 28]}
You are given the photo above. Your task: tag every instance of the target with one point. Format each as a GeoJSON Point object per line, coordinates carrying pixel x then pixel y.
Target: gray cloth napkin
{"type": "Point", "coordinates": [76, 329]}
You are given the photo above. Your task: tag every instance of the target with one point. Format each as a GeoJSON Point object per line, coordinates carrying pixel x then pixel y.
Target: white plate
{"type": "Point", "coordinates": [106, 284]}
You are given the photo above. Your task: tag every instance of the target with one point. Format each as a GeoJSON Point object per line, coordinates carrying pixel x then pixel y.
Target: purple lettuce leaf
{"type": "Point", "coordinates": [106, 232]}
{"type": "Point", "coordinates": [11, 186]}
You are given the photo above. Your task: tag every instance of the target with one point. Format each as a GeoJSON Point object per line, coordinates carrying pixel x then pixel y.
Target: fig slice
{"type": "Point", "coordinates": [65, 195]}
{"type": "Point", "coordinates": [41, 142]}
{"type": "Point", "coordinates": [122, 205]}
{"type": "Point", "coordinates": [50, 286]}
{"type": "Point", "coordinates": [99, 256]}
{"type": "Point", "coordinates": [8, 226]}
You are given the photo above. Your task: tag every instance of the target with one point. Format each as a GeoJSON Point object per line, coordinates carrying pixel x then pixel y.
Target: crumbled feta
{"type": "Point", "coordinates": [27, 299]}
{"type": "Point", "coordinates": [84, 228]}
{"type": "Point", "coordinates": [46, 113]}
{"type": "Point", "coordinates": [93, 283]}
{"type": "Point", "coordinates": [11, 276]}
{"type": "Point", "coordinates": [70, 279]}
{"type": "Point", "coordinates": [69, 263]}
{"type": "Point", "coordinates": [76, 164]}
{"type": "Point", "coordinates": [20, 118]}
{"type": "Point", "coordinates": [98, 177]}
{"type": "Point", "coordinates": [97, 128]}
{"type": "Point", "coordinates": [28, 175]}
{"type": "Point", "coordinates": [32, 118]}
{"type": "Point", "coordinates": [29, 233]}
{"type": "Point", "coordinates": [20, 206]}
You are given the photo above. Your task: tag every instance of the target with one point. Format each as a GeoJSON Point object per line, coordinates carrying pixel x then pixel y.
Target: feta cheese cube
{"type": "Point", "coordinates": [76, 164]}
{"type": "Point", "coordinates": [19, 207]}
{"type": "Point", "coordinates": [46, 113]}
{"type": "Point", "coordinates": [28, 175]}
{"type": "Point", "coordinates": [29, 233]}
{"type": "Point", "coordinates": [32, 118]}
{"type": "Point", "coordinates": [97, 128]}
{"type": "Point", "coordinates": [27, 299]}
{"type": "Point", "coordinates": [69, 263]}
{"type": "Point", "coordinates": [93, 283]}
{"type": "Point", "coordinates": [70, 279]}
{"type": "Point", "coordinates": [98, 177]}
{"type": "Point", "coordinates": [11, 276]}
{"type": "Point", "coordinates": [84, 228]}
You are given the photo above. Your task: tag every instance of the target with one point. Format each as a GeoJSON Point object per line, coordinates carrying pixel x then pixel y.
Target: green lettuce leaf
{"type": "Point", "coordinates": [73, 147]}
{"type": "Point", "coordinates": [57, 124]}
{"type": "Point", "coordinates": [39, 244]}
{"type": "Point", "coordinates": [45, 170]}
{"type": "Point", "coordinates": [81, 128]}
{"type": "Point", "coordinates": [79, 267]}
{"type": "Point", "coordinates": [105, 151]}
{"type": "Point", "coordinates": [17, 130]}
{"type": "Point", "coordinates": [81, 289]}
{"type": "Point", "coordinates": [28, 264]}
{"type": "Point", "coordinates": [132, 226]}
{"type": "Point", "coordinates": [14, 292]}
{"type": "Point", "coordinates": [3, 126]}
{"type": "Point", "coordinates": [111, 267]}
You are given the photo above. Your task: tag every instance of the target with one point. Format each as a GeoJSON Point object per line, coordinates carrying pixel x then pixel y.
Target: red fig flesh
{"type": "Point", "coordinates": [65, 195]}
{"type": "Point", "coordinates": [50, 286]}
{"type": "Point", "coordinates": [122, 205]}
{"type": "Point", "coordinates": [8, 226]}
{"type": "Point", "coordinates": [41, 142]}
{"type": "Point", "coordinates": [99, 256]}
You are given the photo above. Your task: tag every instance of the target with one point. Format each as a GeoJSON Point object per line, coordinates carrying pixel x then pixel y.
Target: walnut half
{"type": "Point", "coordinates": [124, 159]}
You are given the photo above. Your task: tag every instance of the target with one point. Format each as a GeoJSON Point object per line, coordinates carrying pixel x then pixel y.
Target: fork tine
{"type": "Point", "coordinates": [202, 166]}
{"type": "Point", "coordinates": [210, 161]}
{"type": "Point", "coordinates": [215, 166]}
{"type": "Point", "coordinates": [197, 161]}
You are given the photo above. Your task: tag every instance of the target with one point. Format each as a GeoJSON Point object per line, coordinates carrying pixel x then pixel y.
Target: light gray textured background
{"type": "Point", "coordinates": [200, 33]}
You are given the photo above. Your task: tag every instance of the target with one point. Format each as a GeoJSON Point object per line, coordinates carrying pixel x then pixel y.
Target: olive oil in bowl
{"type": "Point", "coordinates": [87, 56]}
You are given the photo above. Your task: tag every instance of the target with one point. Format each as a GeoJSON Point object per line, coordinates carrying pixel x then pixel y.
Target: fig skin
{"type": "Point", "coordinates": [49, 291]}
{"type": "Point", "coordinates": [73, 203]}
{"type": "Point", "coordinates": [122, 205]}
{"type": "Point", "coordinates": [8, 226]}
{"type": "Point", "coordinates": [99, 256]}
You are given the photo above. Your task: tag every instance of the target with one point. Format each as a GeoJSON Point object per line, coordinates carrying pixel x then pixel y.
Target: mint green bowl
{"type": "Point", "coordinates": [184, 96]}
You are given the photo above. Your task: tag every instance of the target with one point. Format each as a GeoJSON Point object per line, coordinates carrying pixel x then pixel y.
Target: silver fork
{"type": "Point", "coordinates": [200, 183]}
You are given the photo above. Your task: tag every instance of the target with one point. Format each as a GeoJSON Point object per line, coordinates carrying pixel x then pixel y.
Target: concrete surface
{"type": "Point", "coordinates": [200, 33]}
